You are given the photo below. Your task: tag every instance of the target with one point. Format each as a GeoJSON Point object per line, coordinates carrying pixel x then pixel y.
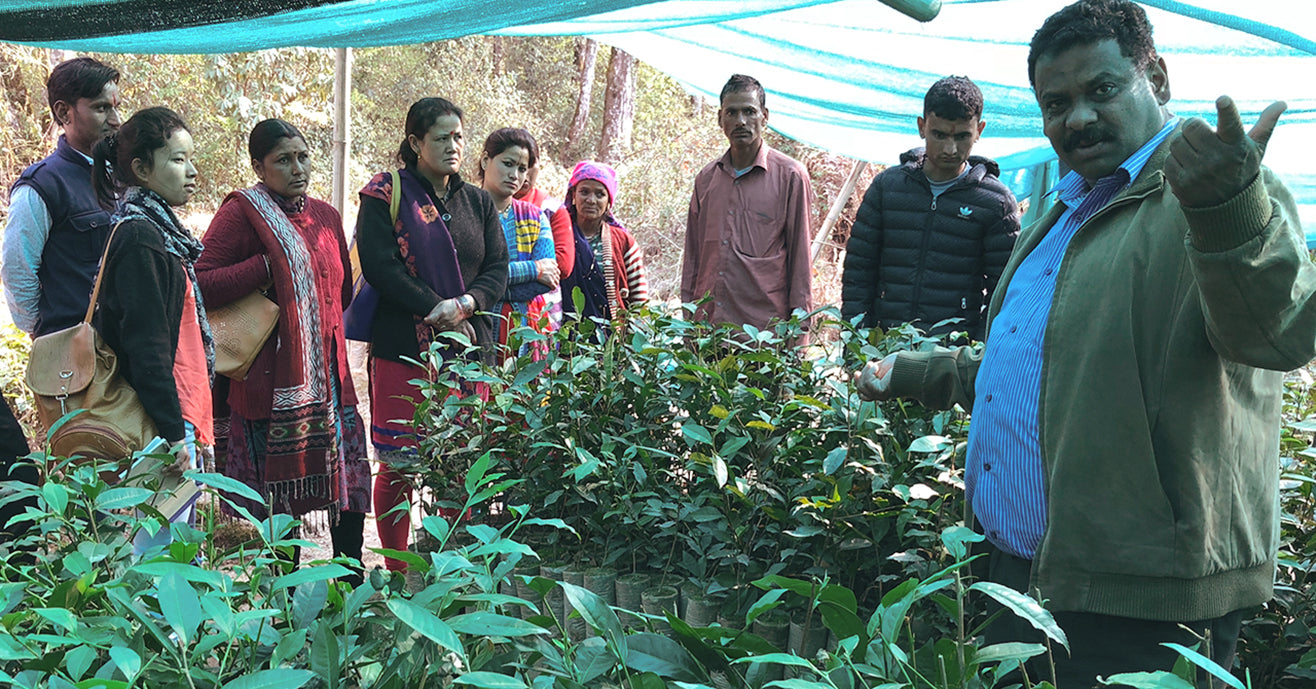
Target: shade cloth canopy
{"type": "Point", "coordinates": [847, 76]}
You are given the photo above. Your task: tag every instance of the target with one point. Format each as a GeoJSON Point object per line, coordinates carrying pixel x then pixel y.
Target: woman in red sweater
{"type": "Point", "coordinates": [607, 264]}
{"type": "Point", "coordinates": [293, 434]}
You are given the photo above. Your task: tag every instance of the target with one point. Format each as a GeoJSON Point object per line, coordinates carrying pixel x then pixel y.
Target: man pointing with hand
{"type": "Point", "coordinates": [1123, 451]}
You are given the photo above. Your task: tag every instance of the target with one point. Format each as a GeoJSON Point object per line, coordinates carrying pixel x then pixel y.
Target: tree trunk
{"type": "Point", "coordinates": [587, 51]}
{"type": "Point", "coordinates": [499, 56]}
{"type": "Point", "coordinates": [618, 107]}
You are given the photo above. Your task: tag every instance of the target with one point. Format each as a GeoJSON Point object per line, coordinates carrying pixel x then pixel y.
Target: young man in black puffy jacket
{"type": "Point", "coordinates": [934, 232]}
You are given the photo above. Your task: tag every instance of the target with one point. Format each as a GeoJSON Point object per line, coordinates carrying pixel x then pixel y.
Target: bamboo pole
{"type": "Point", "coordinates": [847, 190]}
{"type": "Point", "coordinates": [342, 126]}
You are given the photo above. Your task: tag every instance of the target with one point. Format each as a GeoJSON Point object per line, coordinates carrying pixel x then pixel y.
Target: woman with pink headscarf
{"type": "Point", "coordinates": [607, 264]}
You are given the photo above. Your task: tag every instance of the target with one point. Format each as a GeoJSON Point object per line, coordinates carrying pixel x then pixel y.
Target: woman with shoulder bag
{"type": "Point", "coordinates": [437, 268]}
{"type": "Point", "coordinates": [150, 311]}
{"type": "Point", "coordinates": [294, 435]}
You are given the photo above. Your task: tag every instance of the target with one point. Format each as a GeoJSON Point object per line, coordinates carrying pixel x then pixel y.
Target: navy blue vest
{"type": "Point", "coordinates": [79, 228]}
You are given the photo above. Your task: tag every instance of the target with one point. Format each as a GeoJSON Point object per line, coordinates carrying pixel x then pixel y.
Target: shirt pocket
{"type": "Point", "coordinates": [89, 230]}
{"type": "Point", "coordinates": [757, 234]}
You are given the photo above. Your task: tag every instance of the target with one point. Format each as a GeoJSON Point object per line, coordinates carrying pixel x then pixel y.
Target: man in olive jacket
{"type": "Point", "coordinates": [1123, 453]}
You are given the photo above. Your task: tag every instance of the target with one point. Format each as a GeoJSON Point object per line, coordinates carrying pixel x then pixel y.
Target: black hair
{"type": "Point", "coordinates": [81, 77]}
{"type": "Point", "coordinates": [267, 134]}
{"type": "Point", "coordinates": [502, 139]}
{"type": "Point", "coordinates": [1089, 21]}
{"type": "Point", "coordinates": [953, 98]}
{"type": "Point", "coordinates": [420, 117]}
{"type": "Point", "coordinates": [138, 139]}
{"type": "Point", "coordinates": [741, 82]}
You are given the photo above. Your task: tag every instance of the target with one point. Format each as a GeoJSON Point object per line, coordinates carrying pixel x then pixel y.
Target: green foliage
{"type": "Point", "coordinates": [1278, 645]}
{"type": "Point", "coordinates": [721, 455]}
{"type": "Point", "coordinates": [14, 348]}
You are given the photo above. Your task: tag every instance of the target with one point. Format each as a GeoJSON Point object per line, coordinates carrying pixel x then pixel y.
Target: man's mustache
{"type": "Point", "coordinates": [1087, 137]}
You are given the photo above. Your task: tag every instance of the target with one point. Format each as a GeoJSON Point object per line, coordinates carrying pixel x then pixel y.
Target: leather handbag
{"type": "Point", "coordinates": [74, 370]}
{"type": "Point", "coordinates": [240, 330]}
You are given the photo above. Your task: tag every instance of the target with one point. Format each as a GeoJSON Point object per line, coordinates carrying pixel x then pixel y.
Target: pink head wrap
{"type": "Point", "coordinates": [599, 172]}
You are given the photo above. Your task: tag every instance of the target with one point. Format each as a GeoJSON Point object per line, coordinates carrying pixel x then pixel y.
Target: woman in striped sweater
{"type": "Point", "coordinates": [607, 264]}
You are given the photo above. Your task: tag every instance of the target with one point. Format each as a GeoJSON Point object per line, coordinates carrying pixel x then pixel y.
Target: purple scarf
{"type": "Point", "coordinates": [426, 245]}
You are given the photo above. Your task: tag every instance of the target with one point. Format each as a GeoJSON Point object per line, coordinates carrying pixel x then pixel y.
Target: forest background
{"type": "Point", "coordinates": [579, 99]}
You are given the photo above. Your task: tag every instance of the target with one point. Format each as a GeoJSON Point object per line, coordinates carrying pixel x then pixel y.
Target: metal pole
{"type": "Point", "coordinates": [342, 126]}
{"type": "Point", "coordinates": [847, 190]}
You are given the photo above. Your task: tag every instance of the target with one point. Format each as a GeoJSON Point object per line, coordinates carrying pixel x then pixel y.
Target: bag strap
{"type": "Point", "coordinates": [100, 274]}
{"type": "Point", "coordinates": [396, 197]}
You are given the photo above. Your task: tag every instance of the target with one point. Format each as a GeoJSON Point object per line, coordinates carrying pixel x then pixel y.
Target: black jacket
{"type": "Point", "coordinates": [139, 312]}
{"type": "Point", "coordinates": [911, 258]}
{"type": "Point", "coordinates": [477, 235]}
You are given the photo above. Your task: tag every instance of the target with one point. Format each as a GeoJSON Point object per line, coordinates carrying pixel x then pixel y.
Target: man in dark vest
{"type": "Point", "coordinates": [56, 229]}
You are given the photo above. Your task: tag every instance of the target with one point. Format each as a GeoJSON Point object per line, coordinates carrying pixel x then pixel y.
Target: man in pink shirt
{"type": "Point", "coordinates": [747, 234]}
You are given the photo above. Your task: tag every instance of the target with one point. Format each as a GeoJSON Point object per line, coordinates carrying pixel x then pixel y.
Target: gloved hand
{"type": "Point", "coordinates": [875, 379]}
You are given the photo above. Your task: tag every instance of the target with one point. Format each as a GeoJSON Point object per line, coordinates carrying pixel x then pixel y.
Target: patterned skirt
{"type": "Point", "coordinates": [245, 460]}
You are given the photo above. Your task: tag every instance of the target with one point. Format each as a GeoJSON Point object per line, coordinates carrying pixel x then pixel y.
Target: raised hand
{"type": "Point", "coordinates": [1209, 166]}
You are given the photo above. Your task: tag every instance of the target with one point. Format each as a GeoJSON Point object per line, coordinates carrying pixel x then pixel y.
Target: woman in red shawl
{"type": "Point", "coordinates": [293, 434]}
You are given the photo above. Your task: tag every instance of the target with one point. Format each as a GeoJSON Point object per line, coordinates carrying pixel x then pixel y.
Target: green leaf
{"type": "Point", "coordinates": [1013, 650]}
{"type": "Point", "coordinates": [59, 617]}
{"type": "Point", "coordinates": [475, 476]}
{"type": "Point", "coordinates": [663, 656]}
{"type": "Point", "coordinates": [766, 602]}
{"type": "Point", "coordinates": [119, 498]}
{"type": "Point", "coordinates": [930, 443]}
{"type": "Point", "coordinates": [98, 683]}
{"type": "Point", "coordinates": [593, 659]}
{"type": "Point", "coordinates": [491, 624]}
{"type": "Point", "coordinates": [412, 560]}
{"type": "Point", "coordinates": [428, 624]}
{"type": "Point", "coordinates": [324, 656]}
{"type": "Point", "coordinates": [835, 459]}
{"type": "Point", "coordinates": [226, 484]}
{"type": "Point", "coordinates": [127, 660]}
{"type": "Point", "coordinates": [956, 539]}
{"type": "Point", "coordinates": [78, 660]}
{"type": "Point", "coordinates": [695, 434]}
{"type": "Point", "coordinates": [436, 527]}
{"type": "Point", "coordinates": [598, 615]}
{"type": "Point", "coordinates": [1206, 664]}
{"type": "Point", "coordinates": [529, 373]}
{"type": "Point", "coordinates": [805, 684]}
{"type": "Point", "coordinates": [489, 680]}
{"type": "Point", "coordinates": [189, 572]}
{"type": "Point", "coordinates": [281, 678]}
{"type": "Point", "coordinates": [218, 611]}
{"type": "Point", "coordinates": [839, 596]}
{"type": "Point", "coordinates": [288, 647]}
{"type": "Point", "coordinates": [778, 658]}
{"type": "Point", "coordinates": [647, 680]}
{"type": "Point", "coordinates": [796, 586]}
{"type": "Point", "coordinates": [306, 575]}
{"type": "Point", "coordinates": [1148, 680]}
{"type": "Point", "coordinates": [57, 497]}
{"type": "Point", "coordinates": [1024, 607]}
{"type": "Point", "coordinates": [180, 606]}
{"type": "Point", "coordinates": [720, 471]}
